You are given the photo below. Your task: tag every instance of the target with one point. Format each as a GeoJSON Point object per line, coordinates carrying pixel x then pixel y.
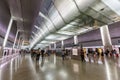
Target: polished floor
{"type": "Point", "coordinates": [53, 68]}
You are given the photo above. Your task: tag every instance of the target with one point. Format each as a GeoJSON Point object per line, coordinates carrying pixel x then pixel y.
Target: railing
{"type": "Point", "coordinates": [7, 58]}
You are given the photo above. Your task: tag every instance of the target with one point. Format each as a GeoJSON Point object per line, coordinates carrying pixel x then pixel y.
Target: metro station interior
{"type": "Point", "coordinates": [59, 39]}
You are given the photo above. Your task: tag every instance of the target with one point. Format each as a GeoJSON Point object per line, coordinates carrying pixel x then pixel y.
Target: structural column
{"type": "Point", "coordinates": [6, 37]}
{"type": "Point", "coordinates": [75, 40]}
{"type": "Point", "coordinates": [106, 39]}
{"type": "Point", "coordinates": [62, 44]}
{"type": "Point", "coordinates": [15, 38]}
{"type": "Point", "coordinates": [54, 46]}
{"type": "Point", "coordinates": [22, 44]}
{"type": "Point", "coordinates": [19, 42]}
{"type": "Point", "coordinates": [7, 33]}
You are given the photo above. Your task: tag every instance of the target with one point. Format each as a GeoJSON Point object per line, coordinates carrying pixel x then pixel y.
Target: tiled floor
{"type": "Point", "coordinates": [53, 68]}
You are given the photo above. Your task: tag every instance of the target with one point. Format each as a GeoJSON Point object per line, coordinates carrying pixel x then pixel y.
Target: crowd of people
{"type": "Point", "coordinates": [37, 53]}
{"type": "Point", "coordinates": [90, 55]}
{"type": "Point", "coordinates": [66, 54]}
{"type": "Point", "coordinates": [95, 55]}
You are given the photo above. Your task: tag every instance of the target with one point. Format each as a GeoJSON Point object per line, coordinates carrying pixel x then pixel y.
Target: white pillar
{"type": "Point", "coordinates": [18, 42]}
{"type": "Point", "coordinates": [55, 46]}
{"type": "Point", "coordinates": [62, 44]}
{"type": "Point", "coordinates": [75, 40]}
{"type": "Point", "coordinates": [106, 39]}
{"type": "Point", "coordinates": [7, 33]}
{"type": "Point", "coordinates": [21, 44]}
{"type": "Point", "coordinates": [6, 37]}
{"type": "Point", "coordinates": [15, 39]}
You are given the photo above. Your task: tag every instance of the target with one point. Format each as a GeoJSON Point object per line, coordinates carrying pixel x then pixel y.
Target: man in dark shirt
{"type": "Point", "coordinates": [42, 53]}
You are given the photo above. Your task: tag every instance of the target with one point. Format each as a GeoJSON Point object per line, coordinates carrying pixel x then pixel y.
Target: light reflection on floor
{"type": "Point", "coordinates": [76, 68]}
{"type": "Point", "coordinates": [53, 68]}
{"type": "Point", "coordinates": [0, 74]}
{"type": "Point", "coordinates": [107, 70]}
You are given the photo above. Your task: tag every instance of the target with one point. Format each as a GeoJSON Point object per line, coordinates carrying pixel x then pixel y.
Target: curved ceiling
{"type": "Point", "coordinates": [66, 18]}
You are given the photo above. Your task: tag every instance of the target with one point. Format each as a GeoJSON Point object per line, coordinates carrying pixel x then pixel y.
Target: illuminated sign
{"type": "Point", "coordinates": [75, 52]}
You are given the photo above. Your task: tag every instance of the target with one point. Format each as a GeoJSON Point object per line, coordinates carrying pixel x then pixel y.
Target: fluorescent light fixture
{"type": "Point", "coordinates": [114, 5]}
